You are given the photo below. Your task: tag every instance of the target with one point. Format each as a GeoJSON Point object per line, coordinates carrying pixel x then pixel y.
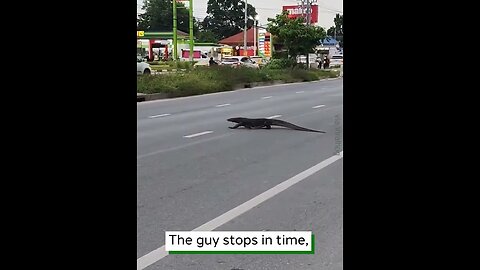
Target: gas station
{"type": "Point", "coordinates": [163, 41]}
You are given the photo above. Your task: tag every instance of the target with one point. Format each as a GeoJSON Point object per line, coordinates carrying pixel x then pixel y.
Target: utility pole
{"type": "Point", "coordinates": [309, 11]}
{"type": "Point", "coordinates": [190, 9]}
{"type": "Point", "coordinates": [302, 8]}
{"type": "Point", "coordinates": [255, 33]}
{"type": "Point", "coordinates": [175, 51]}
{"type": "Point", "coordinates": [255, 37]}
{"type": "Point", "coordinates": [306, 6]}
{"type": "Point", "coordinates": [245, 31]}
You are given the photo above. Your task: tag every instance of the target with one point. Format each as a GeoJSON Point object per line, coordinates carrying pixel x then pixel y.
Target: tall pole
{"type": "Point", "coordinates": [191, 29]}
{"type": "Point", "coordinates": [255, 38]}
{"type": "Point", "coordinates": [309, 11]}
{"type": "Point", "coordinates": [335, 32]}
{"type": "Point", "coordinates": [302, 7]}
{"type": "Point", "coordinates": [245, 31]}
{"type": "Point", "coordinates": [175, 50]}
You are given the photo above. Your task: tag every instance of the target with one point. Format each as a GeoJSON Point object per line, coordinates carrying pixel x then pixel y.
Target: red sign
{"type": "Point", "coordinates": [297, 12]}
{"type": "Point", "coordinates": [196, 54]}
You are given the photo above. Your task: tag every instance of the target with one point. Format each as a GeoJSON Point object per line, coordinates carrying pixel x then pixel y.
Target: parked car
{"type": "Point", "coordinates": [204, 63]}
{"type": "Point", "coordinates": [143, 67]}
{"type": "Point", "coordinates": [336, 60]}
{"type": "Point", "coordinates": [259, 60]}
{"type": "Point", "coordinates": [236, 61]}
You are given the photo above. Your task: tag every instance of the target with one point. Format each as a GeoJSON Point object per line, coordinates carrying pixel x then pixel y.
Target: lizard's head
{"type": "Point", "coordinates": [235, 119]}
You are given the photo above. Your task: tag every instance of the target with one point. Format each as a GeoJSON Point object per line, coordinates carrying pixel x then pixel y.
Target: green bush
{"type": "Point", "coordinates": [304, 75]}
{"type": "Point", "coordinates": [282, 63]}
{"type": "Point", "coordinates": [279, 75]}
{"type": "Point", "coordinates": [180, 64]}
{"type": "Point", "coordinates": [156, 84]}
{"type": "Point", "coordinates": [184, 65]}
{"type": "Point", "coordinates": [322, 73]}
{"type": "Point", "coordinates": [160, 67]}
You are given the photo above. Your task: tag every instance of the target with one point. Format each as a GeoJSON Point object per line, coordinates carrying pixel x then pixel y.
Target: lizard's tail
{"type": "Point", "coordinates": [292, 126]}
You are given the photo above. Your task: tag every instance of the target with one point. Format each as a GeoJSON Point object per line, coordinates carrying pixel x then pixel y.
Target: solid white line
{"type": "Point", "coordinates": [151, 258]}
{"type": "Point", "coordinates": [266, 97]}
{"type": "Point", "coordinates": [160, 115]}
{"type": "Point", "coordinates": [299, 92]}
{"type": "Point", "coordinates": [274, 116]}
{"type": "Point", "coordinates": [223, 105]}
{"type": "Point", "coordinates": [160, 252]}
{"type": "Point", "coordinates": [198, 134]}
{"type": "Point", "coordinates": [319, 106]}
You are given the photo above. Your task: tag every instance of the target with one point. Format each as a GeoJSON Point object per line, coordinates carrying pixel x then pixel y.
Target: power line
{"type": "Point", "coordinates": [261, 8]}
{"type": "Point", "coordinates": [329, 8]}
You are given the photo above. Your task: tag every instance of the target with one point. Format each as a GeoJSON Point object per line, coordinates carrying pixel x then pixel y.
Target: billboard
{"type": "Point", "coordinates": [264, 45]}
{"type": "Point", "coordinates": [297, 12]}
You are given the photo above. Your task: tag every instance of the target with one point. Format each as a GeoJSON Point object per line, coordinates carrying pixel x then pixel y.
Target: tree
{"type": "Point", "coordinates": [203, 35]}
{"type": "Point", "coordinates": [158, 16]}
{"type": "Point", "coordinates": [297, 37]}
{"type": "Point", "coordinates": [206, 36]}
{"type": "Point", "coordinates": [338, 20]}
{"type": "Point", "coordinates": [331, 31]}
{"type": "Point", "coordinates": [227, 17]}
{"type": "Point", "coordinates": [337, 30]}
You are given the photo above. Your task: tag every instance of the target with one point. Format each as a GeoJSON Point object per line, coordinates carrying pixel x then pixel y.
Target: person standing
{"type": "Point", "coordinates": [326, 62]}
{"type": "Point", "coordinates": [212, 62]}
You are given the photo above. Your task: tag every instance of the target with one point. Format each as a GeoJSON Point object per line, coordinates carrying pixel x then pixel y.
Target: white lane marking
{"type": "Point", "coordinates": [183, 146]}
{"type": "Point", "coordinates": [266, 97]}
{"type": "Point", "coordinates": [223, 105]}
{"type": "Point", "coordinates": [159, 115]}
{"type": "Point", "coordinates": [318, 106]}
{"type": "Point", "coordinates": [299, 92]}
{"type": "Point", "coordinates": [274, 116]}
{"type": "Point", "coordinates": [198, 134]}
{"type": "Point", "coordinates": [161, 253]}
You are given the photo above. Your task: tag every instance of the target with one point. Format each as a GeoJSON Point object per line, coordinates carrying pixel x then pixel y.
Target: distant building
{"type": "Point", "coordinates": [329, 46]}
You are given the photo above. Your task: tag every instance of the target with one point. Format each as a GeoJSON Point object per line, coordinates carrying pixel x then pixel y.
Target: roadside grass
{"type": "Point", "coordinates": [203, 80]}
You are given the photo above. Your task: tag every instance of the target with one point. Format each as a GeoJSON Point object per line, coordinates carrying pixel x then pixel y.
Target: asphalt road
{"type": "Point", "coordinates": [191, 169]}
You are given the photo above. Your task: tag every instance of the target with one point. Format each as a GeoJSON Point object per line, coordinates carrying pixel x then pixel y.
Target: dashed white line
{"type": "Point", "coordinates": [160, 253]}
{"type": "Point", "coordinates": [274, 116]}
{"type": "Point", "coordinates": [159, 115]}
{"type": "Point", "coordinates": [198, 134]}
{"type": "Point", "coordinates": [223, 105]}
{"type": "Point", "coordinates": [299, 92]}
{"type": "Point", "coordinates": [266, 97]}
{"type": "Point", "coordinates": [318, 106]}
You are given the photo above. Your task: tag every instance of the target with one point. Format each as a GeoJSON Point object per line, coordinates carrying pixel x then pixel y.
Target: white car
{"type": "Point", "coordinates": [142, 67]}
{"type": "Point", "coordinates": [336, 60]}
{"type": "Point", "coordinates": [236, 61]}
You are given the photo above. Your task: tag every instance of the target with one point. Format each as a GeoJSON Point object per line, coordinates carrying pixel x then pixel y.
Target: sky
{"type": "Point", "coordinates": [269, 8]}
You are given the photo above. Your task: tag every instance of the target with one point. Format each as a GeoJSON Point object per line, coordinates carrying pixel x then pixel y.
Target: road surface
{"type": "Point", "coordinates": [191, 169]}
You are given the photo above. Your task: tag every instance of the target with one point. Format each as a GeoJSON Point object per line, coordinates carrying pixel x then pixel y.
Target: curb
{"type": "Point", "coordinates": [148, 97]}
{"type": "Point", "coordinates": [166, 71]}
